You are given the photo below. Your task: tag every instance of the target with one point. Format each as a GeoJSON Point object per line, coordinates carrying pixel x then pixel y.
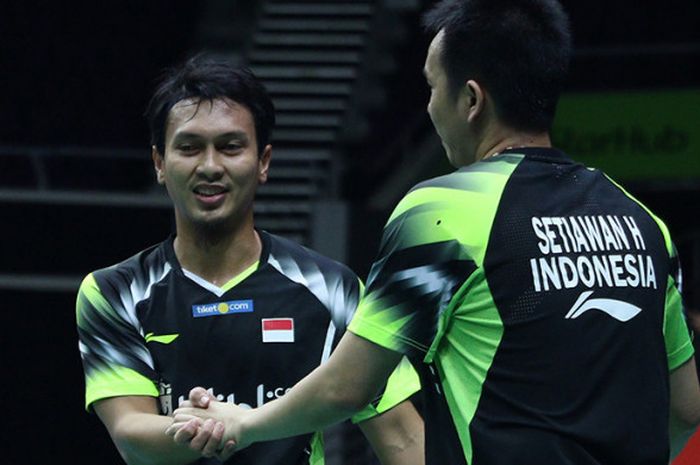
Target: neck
{"type": "Point", "coordinates": [510, 140]}
{"type": "Point", "coordinates": [217, 254]}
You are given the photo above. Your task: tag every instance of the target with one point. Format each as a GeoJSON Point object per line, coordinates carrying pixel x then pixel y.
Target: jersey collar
{"type": "Point", "coordinates": [538, 153]}
{"type": "Point", "coordinates": [169, 246]}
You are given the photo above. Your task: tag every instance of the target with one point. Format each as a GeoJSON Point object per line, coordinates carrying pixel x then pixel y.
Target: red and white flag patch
{"type": "Point", "coordinates": [278, 329]}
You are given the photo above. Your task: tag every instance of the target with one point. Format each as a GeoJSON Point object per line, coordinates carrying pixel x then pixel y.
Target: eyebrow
{"type": "Point", "coordinates": [240, 135]}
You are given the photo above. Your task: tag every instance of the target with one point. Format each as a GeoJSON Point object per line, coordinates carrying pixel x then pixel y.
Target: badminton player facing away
{"type": "Point", "coordinates": [221, 304]}
{"type": "Point", "coordinates": [540, 299]}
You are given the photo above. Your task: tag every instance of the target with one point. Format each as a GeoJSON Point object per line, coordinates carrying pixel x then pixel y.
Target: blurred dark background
{"type": "Point", "coordinates": [77, 191]}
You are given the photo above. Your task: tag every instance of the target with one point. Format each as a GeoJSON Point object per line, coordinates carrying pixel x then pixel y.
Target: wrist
{"type": "Point", "coordinates": [239, 429]}
{"type": "Point", "coordinates": [247, 429]}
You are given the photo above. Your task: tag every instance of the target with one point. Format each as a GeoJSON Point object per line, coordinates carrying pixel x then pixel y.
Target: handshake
{"type": "Point", "coordinates": [207, 426]}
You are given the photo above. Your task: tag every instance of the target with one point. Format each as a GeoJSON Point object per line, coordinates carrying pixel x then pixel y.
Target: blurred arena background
{"type": "Point", "coordinates": [77, 190]}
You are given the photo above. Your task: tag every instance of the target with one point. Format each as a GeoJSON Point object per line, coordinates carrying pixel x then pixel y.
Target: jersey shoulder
{"type": "Point", "coordinates": [128, 282]}
{"type": "Point", "coordinates": [474, 177]}
{"type": "Point", "coordinates": [335, 285]}
{"type": "Point", "coordinates": [288, 251]}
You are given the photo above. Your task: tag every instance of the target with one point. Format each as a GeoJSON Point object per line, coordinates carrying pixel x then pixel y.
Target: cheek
{"type": "Point", "coordinates": [431, 109]}
{"type": "Point", "coordinates": [436, 116]}
{"type": "Point", "coordinates": [173, 177]}
{"type": "Point", "coordinates": [431, 102]}
{"type": "Point", "coordinates": [245, 173]}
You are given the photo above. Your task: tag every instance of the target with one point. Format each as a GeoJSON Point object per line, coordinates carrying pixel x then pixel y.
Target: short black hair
{"type": "Point", "coordinates": [519, 50]}
{"type": "Point", "coordinates": [205, 78]}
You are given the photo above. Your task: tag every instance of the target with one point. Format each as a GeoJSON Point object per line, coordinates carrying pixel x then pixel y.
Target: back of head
{"type": "Point", "coordinates": [519, 50]}
{"type": "Point", "coordinates": [201, 78]}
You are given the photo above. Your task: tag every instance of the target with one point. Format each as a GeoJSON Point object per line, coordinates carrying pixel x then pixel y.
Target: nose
{"type": "Point", "coordinates": [210, 166]}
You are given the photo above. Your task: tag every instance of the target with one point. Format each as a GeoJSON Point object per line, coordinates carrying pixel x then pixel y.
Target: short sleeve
{"type": "Point", "coordinates": [401, 385]}
{"type": "Point", "coordinates": [115, 359]}
{"type": "Point", "coordinates": [679, 347]}
{"type": "Point", "coordinates": [420, 266]}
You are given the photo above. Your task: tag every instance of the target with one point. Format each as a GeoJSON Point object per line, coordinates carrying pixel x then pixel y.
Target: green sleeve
{"type": "Point", "coordinates": [115, 359]}
{"type": "Point", "coordinates": [679, 347]}
{"type": "Point", "coordinates": [401, 385]}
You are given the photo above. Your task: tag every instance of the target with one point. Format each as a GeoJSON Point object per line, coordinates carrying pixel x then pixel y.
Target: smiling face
{"type": "Point", "coordinates": [211, 166]}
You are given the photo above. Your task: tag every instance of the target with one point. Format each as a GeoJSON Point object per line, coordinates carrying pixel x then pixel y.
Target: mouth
{"type": "Point", "coordinates": [209, 190]}
{"type": "Point", "coordinates": [210, 194]}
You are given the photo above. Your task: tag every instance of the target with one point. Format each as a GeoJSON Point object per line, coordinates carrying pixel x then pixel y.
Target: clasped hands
{"type": "Point", "coordinates": [206, 426]}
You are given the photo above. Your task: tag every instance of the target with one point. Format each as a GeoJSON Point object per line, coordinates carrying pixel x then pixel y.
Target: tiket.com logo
{"type": "Point", "coordinates": [222, 308]}
{"type": "Point", "coordinates": [621, 311]}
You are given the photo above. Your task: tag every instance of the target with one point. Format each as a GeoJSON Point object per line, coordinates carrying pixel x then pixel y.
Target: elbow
{"type": "Point", "coordinates": [348, 404]}
{"type": "Point", "coordinates": [126, 442]}
{"type": "Point", "coordinates": [124, 445]}
{"type": "Point", "coordinates": [689, 422]}
{"type": "Point", "coordinates": [687, 419]}
{"type": "Point", "coordinates": [349, 399]}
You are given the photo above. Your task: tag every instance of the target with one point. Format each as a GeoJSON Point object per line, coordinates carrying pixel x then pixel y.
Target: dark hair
{"type": "Point", "coordinates": [203, 78]}
{"type": "Point", "coordinates": [519, 50]}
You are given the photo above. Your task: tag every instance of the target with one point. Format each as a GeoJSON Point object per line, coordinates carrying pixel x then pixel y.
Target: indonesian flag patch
{"type": "Point", "coordinates": [278, 329]}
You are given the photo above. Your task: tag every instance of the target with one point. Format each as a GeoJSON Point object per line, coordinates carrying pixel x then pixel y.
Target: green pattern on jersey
{"type": "Point", "coordinates": [401, 385]}
{"type": "Point", "coordinates": [117, 381]}
{"type": "Point", "coordinates": [317, 446]}
{"type": "Point", "coordinates": [457, 209]}
{"type": "Point", "coordinates": [240, 276]}
{"type": "Point", "coordinates": [90, 291]}
{"type": "Point", "coordinates": [679, 347]}
{"type": "Point", "coordinates": [475, 334]}
{"type": "Point", "coordinates": [105, 380]}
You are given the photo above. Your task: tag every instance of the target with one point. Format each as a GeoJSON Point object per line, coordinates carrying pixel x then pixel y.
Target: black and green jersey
{"type": "Point", "coordinates": [544, 302]}
{"type": "Point", "coordinates": [148, 327]}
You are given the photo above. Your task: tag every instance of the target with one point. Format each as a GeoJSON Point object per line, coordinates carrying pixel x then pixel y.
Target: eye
{"type": "Point", "coordinates": [232, 147]}
{"type": "Point", "coordinates": [186, 147]}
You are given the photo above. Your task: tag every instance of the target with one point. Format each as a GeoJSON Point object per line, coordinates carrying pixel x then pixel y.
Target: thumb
{"type": "Point", "coordinates": [199, 397]}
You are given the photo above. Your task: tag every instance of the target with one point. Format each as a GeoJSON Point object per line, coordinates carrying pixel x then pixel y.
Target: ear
{"type": "Point", "coordinates": [158, 162]}
{"type": "Point", "coordinates": [476, 100]}
{"type": "Point", "coordinates": [264, 164]}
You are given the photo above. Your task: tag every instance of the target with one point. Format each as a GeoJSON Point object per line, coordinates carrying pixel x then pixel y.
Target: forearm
{"type": "Point", "coordinates": [138, 431]}
{"type": "Point", "coordinates": [333, 392]}
{"type": "Point", "coordinates": [311, 405]}
{"type": "Point", "coordinates": [141, 440]}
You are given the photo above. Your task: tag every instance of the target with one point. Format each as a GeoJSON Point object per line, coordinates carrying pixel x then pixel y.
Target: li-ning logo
{"type": "Point", "coordinates": [621, 311]}
{"type": "Point", "coordinates": [162, 338]}
{"type": "Point", "coordinates": [222, 308]}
